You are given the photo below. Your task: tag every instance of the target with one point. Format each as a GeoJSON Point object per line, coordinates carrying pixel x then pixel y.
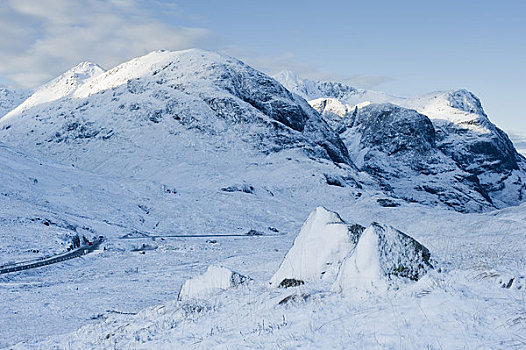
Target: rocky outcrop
{"type": "Point", "coordinates": [398, 146]}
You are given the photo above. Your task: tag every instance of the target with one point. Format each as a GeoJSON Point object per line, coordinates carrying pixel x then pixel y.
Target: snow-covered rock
{"type": "Point", "coordinates": [216, 278]}
{"type": "Point", "coordinates": [331, 109]}
{"type": "Point", "coordinates": [382, 252]}
{"type": "Point", "coordinates": [324, 240]}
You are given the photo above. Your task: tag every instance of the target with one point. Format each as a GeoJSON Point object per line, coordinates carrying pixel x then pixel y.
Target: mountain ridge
{"type": "Point", "coordinates": [464, 133]}
{"type": "Point", "coordinates": [106, 121]}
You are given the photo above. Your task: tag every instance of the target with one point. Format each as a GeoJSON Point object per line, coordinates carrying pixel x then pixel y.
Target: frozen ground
{"type": "Point", "coordinates": [464, 306]}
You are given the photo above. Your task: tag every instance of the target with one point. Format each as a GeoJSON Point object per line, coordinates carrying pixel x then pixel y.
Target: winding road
{"type": "Point", "coordinates": [86, 249]}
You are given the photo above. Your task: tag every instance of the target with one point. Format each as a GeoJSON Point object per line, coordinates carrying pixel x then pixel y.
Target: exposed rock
{"type": "Point", "coordinates": [290, 282]}
{"type": "Point", "coordinates": [294, 298]}
{"type": "Point", "coordinates": [398, 147]}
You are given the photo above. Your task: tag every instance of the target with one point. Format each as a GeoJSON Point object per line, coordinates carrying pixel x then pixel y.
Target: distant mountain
{"type": "Point", "coordinates": [11, 98]}
{"type": "Point", "coordinates": [461, 150]}
{"type": "Point", "coordinates": [312, 89]}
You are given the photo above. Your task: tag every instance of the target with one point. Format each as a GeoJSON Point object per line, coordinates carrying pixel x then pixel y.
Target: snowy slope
{"type": "Point", "coordinates": [59, 87]}
{"type": "Point", "coordinates": [465, 140]}
{"type": "Point", "coordinates": [11, 98]}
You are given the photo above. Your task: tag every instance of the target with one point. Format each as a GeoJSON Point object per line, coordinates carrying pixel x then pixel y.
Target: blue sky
{"type": "Point", "coordinates": [401, 47]}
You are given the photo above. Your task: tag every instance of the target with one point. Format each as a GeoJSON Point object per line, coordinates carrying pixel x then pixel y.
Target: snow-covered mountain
{"type": "Point", "coordinates": [11, 98]}
{"type": "Point", "coordinates": [468, 162]}
{"type": "Point", "coordinates": [193, 122]}
{"type": "Point", "coordinates": [179, 97]}
{"type": "Point", "coordinates": [313, 89]}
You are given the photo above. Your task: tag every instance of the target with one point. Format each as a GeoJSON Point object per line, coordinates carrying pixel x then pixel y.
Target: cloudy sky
{"type": "Point", "coordinates": [405, 47]}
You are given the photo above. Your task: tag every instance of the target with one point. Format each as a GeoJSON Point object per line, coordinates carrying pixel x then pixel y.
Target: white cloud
{"type": "Point", "coordinates": [41, 39]}
{"type": "Point", "coordinates": [519, 140]}
{"type": "Point", "coordinates": [275, 64]}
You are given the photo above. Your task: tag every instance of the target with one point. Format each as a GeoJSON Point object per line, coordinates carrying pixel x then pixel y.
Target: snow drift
{"type": "Point", "coordinates": [216, 278]}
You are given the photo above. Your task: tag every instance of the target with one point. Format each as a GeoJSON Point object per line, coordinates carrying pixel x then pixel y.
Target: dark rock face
{"type": "Point", "coordinates": [262, 93]}
{"type": "Point", "coordinates": [391, 129]}
{"type": "Point", "coordinates": [493, 153]}
{"type": "Point", "coordinates": [398, 146]}
{"type": "Point", "coordinates": [483, 150]}
{"type": "Point", "coordinates": [270, 98]}
{"type": "Point", "coordinates": [355, 231]}
{"type": "Point", "coordinates": [290, 282]}
{"type": "Point", "coordinates": [400, 254]}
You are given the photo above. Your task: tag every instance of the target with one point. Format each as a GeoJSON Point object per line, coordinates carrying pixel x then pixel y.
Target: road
{"type": "Point", "coordinates": [53, 260]}
{"type": "Point", "coordinates": [192, 236]}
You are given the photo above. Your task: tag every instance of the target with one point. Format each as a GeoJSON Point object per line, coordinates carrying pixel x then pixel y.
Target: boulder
{"type": "Point", "coordinates": [322, 244]}
{"type": "Point", "coordinates": [216, 278]}
{"type": "Point", "coordinates": [382, 254]}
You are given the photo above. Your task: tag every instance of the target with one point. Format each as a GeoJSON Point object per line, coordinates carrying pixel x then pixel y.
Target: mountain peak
{"type": "Point", "coordinates": [61, 86]}
{"type": "Point", "coordinates": [86, 68]}
{"type": "Point", "coordinates": [465, 100]}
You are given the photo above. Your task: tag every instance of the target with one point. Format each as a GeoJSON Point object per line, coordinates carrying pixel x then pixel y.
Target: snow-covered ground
{"type": "Point", "coordinates": [123, 298]}
{"type": "Point", "coordinates": [90, 155]}
{"type": "Point", "coordinates": [463, 303]}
